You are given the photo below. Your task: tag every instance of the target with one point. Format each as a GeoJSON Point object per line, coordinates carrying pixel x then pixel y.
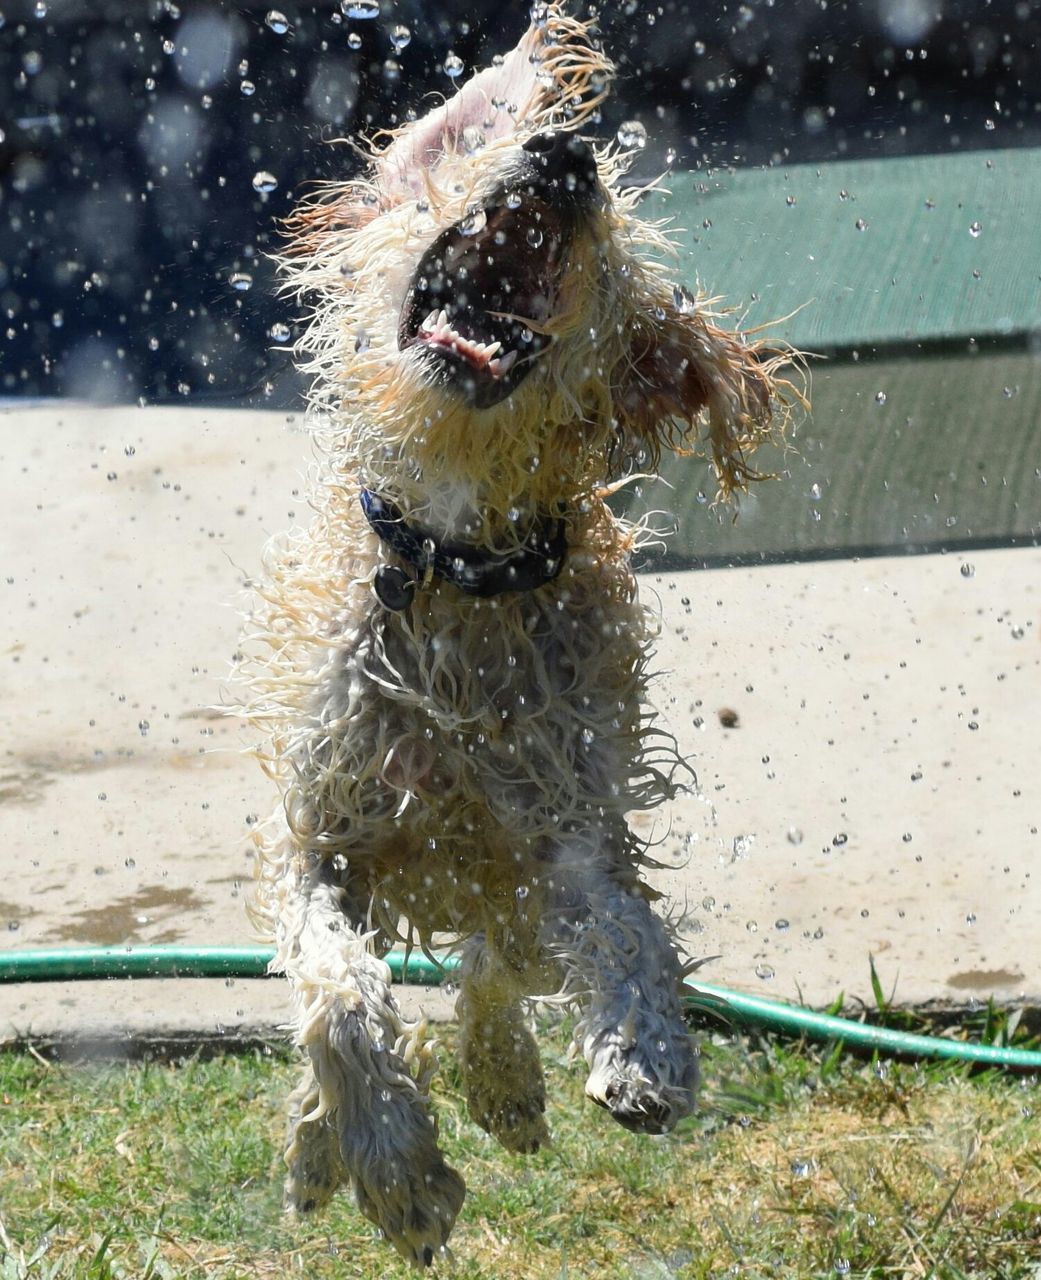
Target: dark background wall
{"type": "Point", "coordinates": [134, 219]}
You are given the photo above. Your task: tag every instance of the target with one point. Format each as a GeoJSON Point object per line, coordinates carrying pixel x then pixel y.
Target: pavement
{"type": "Point", "coordinates": [866, 735]}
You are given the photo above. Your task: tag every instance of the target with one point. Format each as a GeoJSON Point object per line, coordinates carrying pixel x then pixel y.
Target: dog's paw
{"type": "Point", "coordinates": [502, 1078]}
{"type": "Point", "coordinates": [640, 1105]}
{"type": "Point", "coordinates": [516, 1122]}
{"type": "Point", "coordinates": [312, 1152]}
{"type": "Point", "coordinates": [648, 1082]}
{"type": "Point", "coordinates": [414, 1200]}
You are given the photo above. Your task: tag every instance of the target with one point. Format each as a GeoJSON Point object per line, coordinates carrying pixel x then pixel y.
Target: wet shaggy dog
{"type": "Point", "coordinates": [450, 663]}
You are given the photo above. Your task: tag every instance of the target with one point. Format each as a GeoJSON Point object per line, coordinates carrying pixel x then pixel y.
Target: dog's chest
{"type": "Point", "coordinates": [482, 667]}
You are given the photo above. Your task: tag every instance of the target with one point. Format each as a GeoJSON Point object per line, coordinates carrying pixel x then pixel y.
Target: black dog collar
{"type": "Point", "coordinates": [475, 570]}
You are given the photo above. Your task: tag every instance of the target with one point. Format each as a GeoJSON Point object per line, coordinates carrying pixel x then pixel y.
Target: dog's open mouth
{"type": "Point", "coordinates": [482, 294]}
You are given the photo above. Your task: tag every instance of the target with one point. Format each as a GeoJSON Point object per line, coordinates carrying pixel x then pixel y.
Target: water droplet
{"type": "Point", "coordinates": [632, 134]}
{"type": "Point", "coordinates": [474, 221]}
{"type": "Point", "coordinates": [277, 21]}
{"type": "Point", "coordinates": [474, 139]}
{"type": "Point", "coordinates": [354, 40]}
{"type": "Point", "coordinates": [968, 570]}
{"type": "Point", "coordinates": [741, 847]}
{"type": "Point", "coordinates": [279, 332]}
{"type": "Point", "coordinates": [842, 1266]}
{"type": "Point", "coordinates": [247, 88]}
{"type": "Point", "coordinates": [264, 181]}
{"type": "Point", "coordinates": [534, 237]}
{"type": "Point", "coordinates": [860, 224]}
{"type": "Point", "coordinates": [970, 919]}
{"type": "Point", "coordinates": [843, 194]}
{"type": "Point", "coordinates": [14, 925]}
{"type": "Point", "coordinates": [974, 229]}
{"type": "Point", "coordinates": [1017, 632]}
{"type": "Point", "coordinates": [240, 280]}
{"type": "Point", "coordinates": [880, 397]}
{"type": "Point", "coordinates": [789, 201]}
{"type": "Point", "coordinates": [794, 835]}
{"type": "Point", "coordinates": [453, 66]}
{"type": "Point", "coordinates": [360, 10]}
{"type": "Point", "coordinates": [839, 840]}
{"type": "Point", "coordinates": [400, 37]}
{"type": "Point", "coordinates": [781, 925]}
{"type": "Point", "coordinates": [752, 926]}
{"type": "Point", "coordinates": [764, 972]}
{"type": "Point", "coordinates": [815, 492]}
{"type": "Point", "coordinates": [802, 1168]}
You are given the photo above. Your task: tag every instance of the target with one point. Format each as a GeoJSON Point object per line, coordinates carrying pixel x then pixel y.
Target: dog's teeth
{"type": "Point", "coordinates": [429, 325]}
{"type": "Point", "coordinates": [442, 319]}
{"type": "Point", "coordinates": [489, 349]}
{"type": "Point", "coordinates": [499, 368]}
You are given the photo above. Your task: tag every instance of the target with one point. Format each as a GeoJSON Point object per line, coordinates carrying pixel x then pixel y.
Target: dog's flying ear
{"type": "Point", "coordinates": [554, 78]}
{"type": "Point", "coordinates": [682, 369]}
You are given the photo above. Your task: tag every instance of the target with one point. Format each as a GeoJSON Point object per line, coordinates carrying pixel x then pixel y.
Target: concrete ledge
{"type": "Point", "coordinates": [166, 1017]}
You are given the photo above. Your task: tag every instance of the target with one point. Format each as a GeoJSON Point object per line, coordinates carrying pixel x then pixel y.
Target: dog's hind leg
{"type": "Point", "coordinates": [502, 1073]}
{"type": "Point", "coordinates": [370, 1074]}
{"type": "Point", "coordinates": [624, 976]}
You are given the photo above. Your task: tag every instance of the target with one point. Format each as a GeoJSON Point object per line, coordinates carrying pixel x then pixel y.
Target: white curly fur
{"type": "Point", "coordinates": [461, 771]}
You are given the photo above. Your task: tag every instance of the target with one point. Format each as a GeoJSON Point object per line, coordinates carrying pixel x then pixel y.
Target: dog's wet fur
{"type": "Point", "coordinates": [494, 342]}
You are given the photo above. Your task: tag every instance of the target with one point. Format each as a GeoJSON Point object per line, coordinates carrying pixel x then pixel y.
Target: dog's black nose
{"type": "Point", "coordinates": [563, 165]}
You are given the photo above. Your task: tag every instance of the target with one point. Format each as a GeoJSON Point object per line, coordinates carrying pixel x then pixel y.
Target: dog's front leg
{"type": "Point", "coordinates": [363, 1090]}
{"type": "Point", "coordinates": [624, 975]}
{"type": "Point", "coordinates": [502, 1074]}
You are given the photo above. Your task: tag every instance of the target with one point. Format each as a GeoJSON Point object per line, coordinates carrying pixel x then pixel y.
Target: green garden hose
{"type": "Point", "coordinates": [79, 963]}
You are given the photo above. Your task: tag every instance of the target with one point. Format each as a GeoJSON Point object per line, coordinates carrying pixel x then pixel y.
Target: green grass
{"type": "Point", "coordinates": [799, 1163]}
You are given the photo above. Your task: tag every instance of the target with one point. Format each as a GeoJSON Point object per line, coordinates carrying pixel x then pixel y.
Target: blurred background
{"type": "Point", "coordinates": [148, 149]}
